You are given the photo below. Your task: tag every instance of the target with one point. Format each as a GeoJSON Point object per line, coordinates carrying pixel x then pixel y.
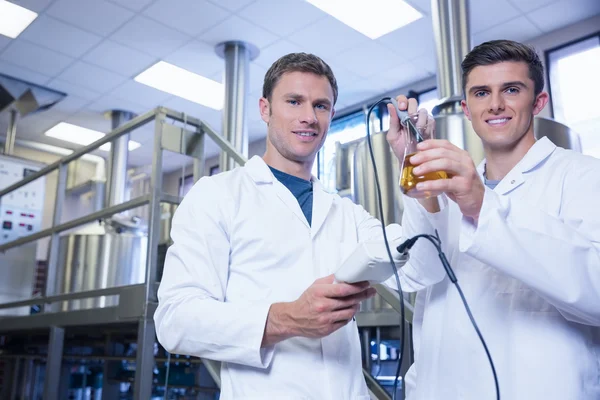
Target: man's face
{"type": "Point", "coordinates": [298, 115]}
{"type": "Point", "coordinates": [501, 103]}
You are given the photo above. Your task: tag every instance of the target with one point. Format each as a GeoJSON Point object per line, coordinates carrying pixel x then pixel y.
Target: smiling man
{"type": "Point", "coordinates": [248, 280]}
{"type": "Point", "coordinates": [522, 232]}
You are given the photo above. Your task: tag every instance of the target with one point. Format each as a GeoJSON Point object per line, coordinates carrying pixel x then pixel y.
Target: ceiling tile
{"type": "Point", "coordinates": [22, 73]}
{"type": "Point", "coordinates": [110, 102]}
{"type": "Point", "coordinates": [360, 59]}
{"type": "Point", "coordinates": [71, 89]}
{"type": "Point", "coordinates": [411, 40]}
{"type": "Point", "coordinates": [328, 36]}
{"type": "Point", "coordinates": [149, 36]}
{"type": "Point", "coordinates": [519, 29]}
{"type": "Point", "coordinates": [33, 5]}
{"type": "Point", "coordinates": [91, 77]}
{"type": "Point", "coordinates": [486, 14]}
{"type": "Point", "coordinates": [98, 16]}
{"type": "Point", "coordinates": [197, 57]}
{"type": "Point", "coordinates": [136, 92]}
{"type": "Point", "coordinates": [427, 62]}
{"type": "Point", "coordinates": [28, 55]}
{"type": "Point", "coordinates": [236, 28]}
{"type": "Point", "coordinates": [273, 52]}
{"type": "Point", "coordinates": [36, 124]}
{"type": "Point", "coordinates": [402, 75]}
{"type": "Point", "coordinates": [563, 13]}
{"type": "Point", "coordinates": [530, 5]}
{"type": "Point", "coordinates": [189, 16]}
{"type": "Point", "coordinates": [70, 104]}
{"type": "Point", "coordinates": [4, 41]}
{"type": "Point", "coordinates": [56, 35]}
{"type": "Point", "coordinates": [275, 15]}
{"type": "Point", "coordinates": [135, 5]}
{"type": "Point", "coordinates": [257, 77]}
{"type": "Point", "coordinates": [118, 58]}
{"type": "Point", "coordinates": [232, 5]}
{"type": "Point", "coordinates": [184, 106]}
{"type": "Point", "coordinates": [423, 6]}
{"type": "Point", "coordinates": [91, 120]}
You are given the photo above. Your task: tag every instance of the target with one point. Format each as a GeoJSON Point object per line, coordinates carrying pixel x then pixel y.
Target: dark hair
{"type": "Point", "coordinates": [301, 62]}
{"type": "Point", "coordinates": [497, 51]}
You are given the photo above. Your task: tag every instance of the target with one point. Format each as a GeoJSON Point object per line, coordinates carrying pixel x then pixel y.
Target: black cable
{"type": "Point", "coordinates": [435, 240]}
{"type": "Point", "coordinates": [387, 246]}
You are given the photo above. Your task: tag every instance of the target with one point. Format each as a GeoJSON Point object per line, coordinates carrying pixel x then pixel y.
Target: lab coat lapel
{"type": "Point", "coordinates": [321, 204]}
{"type": "Point", "coordinates": [261, 174]}
{"type": "Point", "coordinates": [517, 176]}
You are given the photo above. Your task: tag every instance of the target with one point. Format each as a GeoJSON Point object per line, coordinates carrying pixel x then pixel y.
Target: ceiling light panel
{"type": "Point", "coordinates": [373, 18]}
{"type": "Point", "coordinates": [14, 19]}
{"type": "Point", "coordinates": [183, 83]}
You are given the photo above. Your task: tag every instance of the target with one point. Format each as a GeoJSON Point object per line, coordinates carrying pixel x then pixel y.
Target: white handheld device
{"type": "Point", "coordinates": [369, 262]}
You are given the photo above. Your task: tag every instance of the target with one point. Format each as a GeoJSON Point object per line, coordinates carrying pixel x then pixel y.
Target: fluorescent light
{"type": "Point", "coordinates": [372, 18]}
{"type": "Point", "coordinates": [14, 19]}
{"type": "Point", "coordinates": [83, 136]}
{"type": "Point", "coordinates": [183, 83]}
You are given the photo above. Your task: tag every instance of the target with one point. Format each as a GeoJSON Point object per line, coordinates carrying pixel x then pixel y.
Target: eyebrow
{"type": "Point", "coordinates": [297, 96]}
{"type": "Point", "coordinates": [504, 85]}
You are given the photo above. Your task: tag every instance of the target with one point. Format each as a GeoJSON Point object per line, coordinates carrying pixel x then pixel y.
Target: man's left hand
{"type": "Point", "coordinates": [463, 186]}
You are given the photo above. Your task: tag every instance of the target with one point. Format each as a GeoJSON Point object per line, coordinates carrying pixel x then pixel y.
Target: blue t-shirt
{"type": "Point", "coordinates": [300, 188]}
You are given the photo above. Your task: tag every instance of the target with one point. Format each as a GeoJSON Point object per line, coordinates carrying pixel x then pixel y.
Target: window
{"type": "Point", "coordinates": [574, 85]}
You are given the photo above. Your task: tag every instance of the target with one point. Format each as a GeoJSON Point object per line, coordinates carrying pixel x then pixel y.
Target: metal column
{"type": "Point", "coordinates": [146, 330]}
{"type": "Point", "coordinates": [237, 57]}
{"type": "Point", "coordinates": [451, 31]}
{"type": "Point", "coordinates": [452, 38]}
{"type": "Point", "coordinates": [11, 133]}
{"type": "Point", "coordinates": [117, 160]}
{"type": "Point", "coordinates": [53, 363]}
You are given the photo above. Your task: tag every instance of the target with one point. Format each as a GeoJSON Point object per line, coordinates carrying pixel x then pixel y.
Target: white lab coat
{"type": "Point", "coordinates": [530, 271]}
{"type": "Point", "coordinates": [241, 243]}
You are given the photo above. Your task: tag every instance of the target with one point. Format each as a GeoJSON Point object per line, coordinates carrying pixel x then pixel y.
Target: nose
{"type": "Point", "coordinates": [308, 115]}
{"type": "Point", "coordinates": [496, 103]}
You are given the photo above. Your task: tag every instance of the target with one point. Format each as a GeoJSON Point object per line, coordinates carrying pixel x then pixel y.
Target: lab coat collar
{"type": "Point", "coordinates": [261, 174]}
{"type": "Point", "coordinates": [541, 149]}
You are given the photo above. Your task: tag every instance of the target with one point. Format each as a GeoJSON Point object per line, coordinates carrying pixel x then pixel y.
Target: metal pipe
{"type": "Point", "coordinates": [452, 39]}
{"type": "Point", "coordinates": [117, 160]}
{"type": "Point", "coordinates": [11, 133]}
{"type": "Point", "coordinates": [237, 57]}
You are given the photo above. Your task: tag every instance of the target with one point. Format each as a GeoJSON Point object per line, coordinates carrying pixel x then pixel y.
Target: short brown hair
{"type": "Point", "coordinates": [295, 62]}
{"type": "Point", "coordinates": [497, 51]}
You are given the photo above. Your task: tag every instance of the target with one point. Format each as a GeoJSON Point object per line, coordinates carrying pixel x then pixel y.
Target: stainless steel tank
{"type": "Point", "coordinates": [103, 255]}
{"type": "Point", "coordinates": [364, 188]}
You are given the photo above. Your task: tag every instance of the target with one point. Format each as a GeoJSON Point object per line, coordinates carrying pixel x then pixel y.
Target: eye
{"type": "Point", "coordinates": [480, 93]}
{"type": "Point", "coordinates": [322, 106]}
{"type": "Point", "coordinates": [512, 90]}
{"type": "Point", "coordinates": [293, 102]}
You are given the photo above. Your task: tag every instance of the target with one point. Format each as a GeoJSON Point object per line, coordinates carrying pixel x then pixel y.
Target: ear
{"type": "Point", "coordinates": [265, 109]}
{"type": "Point", "coordinates": [540, 102]}
{"type": "Point", "coordinates": [465, 108]}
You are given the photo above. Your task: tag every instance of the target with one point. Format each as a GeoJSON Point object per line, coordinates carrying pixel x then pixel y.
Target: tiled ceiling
{"type": "Point", "coordinates": [92, 50]}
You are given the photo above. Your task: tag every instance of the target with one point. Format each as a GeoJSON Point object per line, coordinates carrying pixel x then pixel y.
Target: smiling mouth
{"type": "Point", "coordinates": [305, 134]}
{"type": "Point", "coordinates": [498, 121]}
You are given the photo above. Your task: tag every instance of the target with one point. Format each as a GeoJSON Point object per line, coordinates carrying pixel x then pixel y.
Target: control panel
{"type": "Point", "coordinates": [20, 210]}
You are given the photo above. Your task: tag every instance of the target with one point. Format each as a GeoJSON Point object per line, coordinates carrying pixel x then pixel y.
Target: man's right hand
{"type": "Point", "coordinates": [322, 309]}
